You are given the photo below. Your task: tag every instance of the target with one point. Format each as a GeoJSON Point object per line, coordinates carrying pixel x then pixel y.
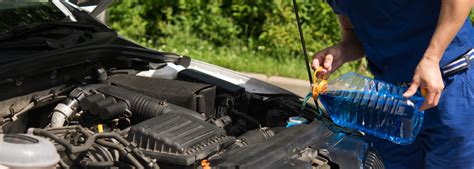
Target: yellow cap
{"type": "Point", "coordinates": [424, 91]}
{"type": "Point", "coordinates": [205, 164]}
{"type": "Point", "coordinates": [319, 85]}
{"type": "Point", "coordinates": [100, 128]}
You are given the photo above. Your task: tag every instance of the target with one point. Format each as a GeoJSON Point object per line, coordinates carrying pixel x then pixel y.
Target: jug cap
{"type": "Point", "coordinates": [319, 85]}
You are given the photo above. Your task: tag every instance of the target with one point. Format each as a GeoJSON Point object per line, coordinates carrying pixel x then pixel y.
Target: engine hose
{"type": "Point", "coordinates": [69, 147]}
{"type": "Point", "coordinates": [246, 117]}
{"type": "Point", "coordinates": [98, 164]}
{"type": "Point", "coordinates": [63, 110]}
{"type": "Point", "coordinates": [122, 151]}
{"type": "Point", "coordinates": [63, 164]}
{"type": "Point", "coordinates": [94, 138]}
{"type": "Point", "coordinates": [127, 146]}
{"type": "Point", "coordinates": [253, 137]}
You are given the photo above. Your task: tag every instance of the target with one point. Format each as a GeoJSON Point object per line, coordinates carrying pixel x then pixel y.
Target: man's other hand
{"type": "Point", "coordinates": [427, 76]}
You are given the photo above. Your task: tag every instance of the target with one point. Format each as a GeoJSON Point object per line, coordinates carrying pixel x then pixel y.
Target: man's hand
{"type": "Point", "coordinates": [330, 59]}
{"type": "Point", "coordinates": [427, 76]}
{"type": "Point", "coordinates": [348, 49]}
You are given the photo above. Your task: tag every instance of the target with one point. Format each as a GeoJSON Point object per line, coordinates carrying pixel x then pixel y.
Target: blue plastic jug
{"type": "Point", "coordinates": [374, 107]}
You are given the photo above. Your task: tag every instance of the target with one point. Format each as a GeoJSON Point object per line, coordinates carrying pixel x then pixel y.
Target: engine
{"type": "Point", "coordinates": [117, 118]}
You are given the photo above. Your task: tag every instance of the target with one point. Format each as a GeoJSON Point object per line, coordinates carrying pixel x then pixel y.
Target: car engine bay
{"type": "Point", "coordinates": [95, 115]}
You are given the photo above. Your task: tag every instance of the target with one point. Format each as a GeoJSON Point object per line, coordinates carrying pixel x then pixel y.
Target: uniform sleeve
{"type": "Point", "coordinates": [335, 5]}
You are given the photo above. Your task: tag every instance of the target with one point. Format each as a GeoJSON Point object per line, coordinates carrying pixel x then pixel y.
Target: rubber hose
{"type": "Point", "coordinates": [246, 117]}
{"type": "Point", "coordinates": [253, 137]}
{"type": "Point", "coordinates": [98, 164]}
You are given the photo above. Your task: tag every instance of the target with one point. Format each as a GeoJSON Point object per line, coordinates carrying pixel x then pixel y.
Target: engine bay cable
{"type": "Point", "coordinates": [126, 149]}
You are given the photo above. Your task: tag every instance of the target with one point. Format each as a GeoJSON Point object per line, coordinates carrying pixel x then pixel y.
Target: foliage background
{"type": "Point", "coordinates": [254, 36]}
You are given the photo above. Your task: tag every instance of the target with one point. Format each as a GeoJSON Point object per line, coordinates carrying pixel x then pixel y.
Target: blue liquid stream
{"type": "Point", "coordinates": [383, 115]}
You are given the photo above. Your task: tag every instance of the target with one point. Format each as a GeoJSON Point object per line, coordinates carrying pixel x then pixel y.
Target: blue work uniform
{"type": "Point", "coordinates": [395, 35]}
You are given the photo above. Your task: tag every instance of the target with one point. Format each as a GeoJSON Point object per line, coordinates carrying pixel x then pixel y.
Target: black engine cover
{"type": "Point", "coordinates": [177, 138]}
{"type": "Point", "coordinates": [195, 96]}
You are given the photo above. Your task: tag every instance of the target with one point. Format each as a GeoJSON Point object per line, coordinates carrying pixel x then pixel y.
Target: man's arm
{"type": "Point", "coordinates": [353, 49]}
{"type": "Point", "coordinates": [452, 16]}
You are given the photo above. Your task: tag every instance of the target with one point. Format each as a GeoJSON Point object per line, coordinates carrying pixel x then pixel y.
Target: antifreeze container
{"type": "Point", "coordinates": [374, 107]}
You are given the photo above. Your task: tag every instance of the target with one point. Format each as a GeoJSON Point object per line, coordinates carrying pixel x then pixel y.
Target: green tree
{"type": "Point", "coordinates": [239, 32]}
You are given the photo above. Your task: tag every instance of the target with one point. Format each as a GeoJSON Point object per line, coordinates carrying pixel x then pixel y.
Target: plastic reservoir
{"type": "Point", "coordinates": [27, 151]}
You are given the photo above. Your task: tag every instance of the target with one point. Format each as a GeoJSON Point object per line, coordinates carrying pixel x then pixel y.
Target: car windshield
{"type": "Point", "coordinates": [17, 13]}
